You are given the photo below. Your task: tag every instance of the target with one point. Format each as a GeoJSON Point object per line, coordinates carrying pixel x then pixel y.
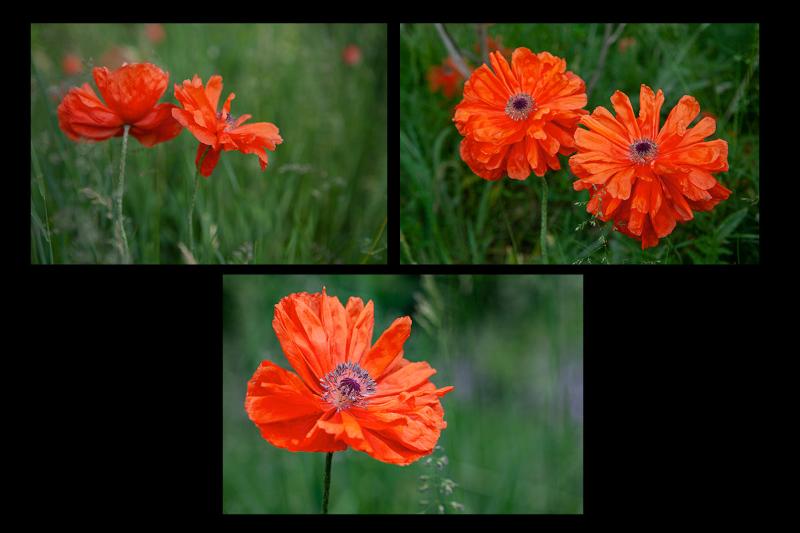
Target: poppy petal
{"type": "Point", "coordinates": [157, 126]}
{"type": "Point", "coordinates": [388, 346]}
{"type": "Point", "coordinates": [213, 90]}
{"type": "Point", "coordinates": [284, 410]}
{"type": "Point", "coordinates": [622, 105]}
{"type": "Point", "coordinates": [81, 114]}
{"type": "Point", "coordinates": [360, 321]}
{"type": "Point", "coordinates": [209, 161]}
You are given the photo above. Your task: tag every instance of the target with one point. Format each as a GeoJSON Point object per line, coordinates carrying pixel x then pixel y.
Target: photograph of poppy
{"type": "Point", "coordinates": [208, 143]}
{"type": "Point", "coordinates": [373, 394]}
{"type": "Point", "coordinates": [579, 143]}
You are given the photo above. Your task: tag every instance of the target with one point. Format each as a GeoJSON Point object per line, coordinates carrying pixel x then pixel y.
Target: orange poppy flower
{"type": "Point", "coordinates": [351, 54]}
{"type": "Point", "coordinates": [155, 33]}
{"type": "Point", "coordinates": [130, 93]}
{"type": "Point", "coordinates": [347, 391]}
{"type": "Point", "coordinates": [72, 64]}
{"type": "Point", "coordinates": [518, 119]}
{"type": "Point", "coordinates": [445, 77]}
{"type": "Point", "coordinates": [645, 178]}
{"type": "Point", "coordinates": [219, 131]}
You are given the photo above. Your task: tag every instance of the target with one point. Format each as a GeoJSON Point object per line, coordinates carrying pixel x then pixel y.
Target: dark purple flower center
{"type": "Point", "coordinates": [642, 151]}
{"type": "Point", "coordinates": [347, 385]}
{"type": "Point", "coordinates": [519, 106]}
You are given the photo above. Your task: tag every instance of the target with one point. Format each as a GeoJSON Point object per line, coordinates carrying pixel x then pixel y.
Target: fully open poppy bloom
{"type": "Point", "coordinates": [219, 131]}
{"type": "Point", "coordinates": [445, 78]}
{"type": "Point", "coordinates": [131, 94]}
{"type": "Point", "coordinates": [347, 391]}
{"type": "Point", "coordinates": [519, 118]}
{"type": "Point", "coordinates": [643, 177]}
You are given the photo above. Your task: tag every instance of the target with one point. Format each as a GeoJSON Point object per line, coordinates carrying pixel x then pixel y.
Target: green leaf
{"type": "Point", "coordinates": [730, 224]}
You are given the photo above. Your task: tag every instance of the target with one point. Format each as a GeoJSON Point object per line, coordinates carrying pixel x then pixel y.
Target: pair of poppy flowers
{"type": "Point", "coordinates": [131, 95]}
{"type": "Point", "coordinates": [517, 119]}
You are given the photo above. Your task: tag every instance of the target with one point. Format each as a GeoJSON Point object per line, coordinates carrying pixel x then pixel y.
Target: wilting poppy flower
{"type": "Point", "coordinates": [644, 177]}
{"type": "Point", "coordinates": [131, 94]}
{"type": "Point", "coordinates": [347, 392]}
{"type": "Point", "coordinates": [155, 33]}
{"type": "Point", "coordinates": [518, 119]}
{"type": "Point", "coordinates": [219, 131]}
{"type": "Point", "coordinates": [445, 77]}
{"type": "Point", "coordinates": [72, 64]}
{"type": "Point", "coordinates": [351, 54]}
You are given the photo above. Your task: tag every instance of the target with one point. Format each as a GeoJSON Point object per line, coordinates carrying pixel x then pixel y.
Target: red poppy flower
{"type": "Point", "coordinates": [131, 94]}
{"type": "Point", "coordinates": [72, 64]}
{"type": "Point", "coordinates": [219, 131]}
{"type": "Point", "coordinates": [351, 55]}
{"type": "Point", "coordinates": [518, 119]}
{"type": "Point", "coordinates": [644, 178]}
{"type": "Point", "coordinates": [155, 33]}
{"type": "Point", "coordinates": [347, 391]}
{"type": "Point", "coordinates": [445, 77]}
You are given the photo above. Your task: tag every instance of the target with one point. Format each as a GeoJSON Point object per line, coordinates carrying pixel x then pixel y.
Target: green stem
{"type": "Point", "coordinates": [543, 234]}
{"type": "Point", "coordinates": [327, 490]}
{"type": "Point", "coordinates": [194, 197]}
{"type": "Point", "coordinates": [374, 243]}
{"type": "Point", "coordinates": [120, 225]}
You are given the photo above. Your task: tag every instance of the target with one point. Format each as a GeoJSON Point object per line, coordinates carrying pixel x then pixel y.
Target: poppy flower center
{"type": "Point", "coordinates": [519, 106]}
{"type": "Point", "coordinates": [347, 385]}
{"type": "Point", "coordinates": [230, 120]}
{"type": "Point", "coordinates": [643, 151]}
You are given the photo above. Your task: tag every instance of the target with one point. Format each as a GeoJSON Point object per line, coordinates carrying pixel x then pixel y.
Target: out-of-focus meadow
{"type": "Point", "coordinates": [322, 198]}
{"type": "Point", "coordinates": [511, 345]}
{"type": "Point", "coordinates": [450, 215]}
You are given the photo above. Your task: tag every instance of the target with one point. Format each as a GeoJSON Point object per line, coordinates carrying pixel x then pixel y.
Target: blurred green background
{"type": "Point", "coordinates": [450, 215]}
{"type": "Point", "coordinates": [511, 345]}
{"type": "Point", "coordinates": [322, 198]}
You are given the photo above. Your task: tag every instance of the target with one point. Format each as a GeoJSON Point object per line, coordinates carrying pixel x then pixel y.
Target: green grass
{"type": "Point", "coordinates": [450, 215]}
{"type": "Point", "coordinates": [322, 198]}
{"type": "Point", "coordinates": [511, 345]}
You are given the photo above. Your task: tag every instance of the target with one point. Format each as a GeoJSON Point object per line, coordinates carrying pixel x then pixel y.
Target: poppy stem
{"type": "Point", "coordinates": [327, 483]}
{"type": "Point", "coordinates": [543, 233]}
{"type": "Point", "coordinates": [194, 197]}
{"type": "Point", "coordinates": [120, 225]}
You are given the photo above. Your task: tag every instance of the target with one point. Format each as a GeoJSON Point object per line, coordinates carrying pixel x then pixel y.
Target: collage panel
{"type": "Point", "coordinates": [577, 144]}
{"type": "Point", "coordinates": [218, 143]}
{"type": "Point", "coordinates": [404, 394]}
